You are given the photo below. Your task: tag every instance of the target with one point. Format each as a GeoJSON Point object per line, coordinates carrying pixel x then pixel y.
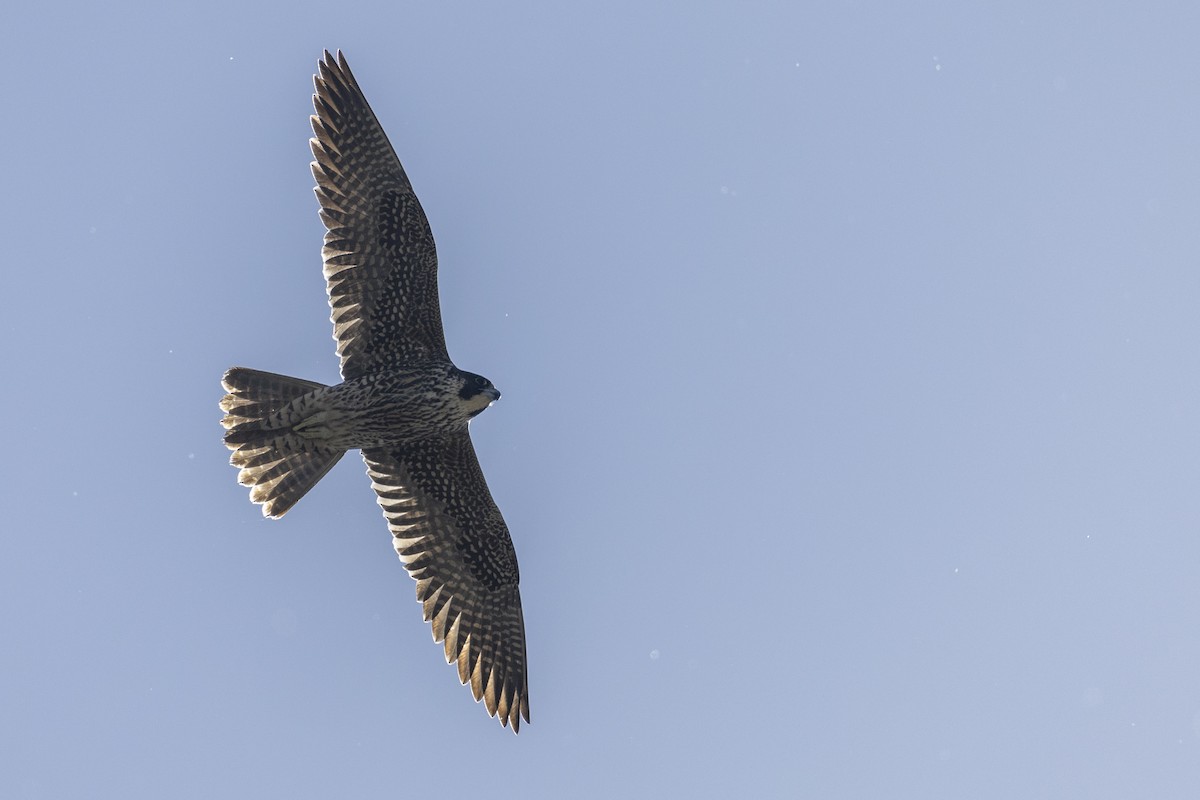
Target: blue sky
{"type": "Point", "coordinates": [849, 435]}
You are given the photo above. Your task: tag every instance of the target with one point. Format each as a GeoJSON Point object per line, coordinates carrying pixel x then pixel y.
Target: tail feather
{"type": "Point", "coordinates": [278, 464]}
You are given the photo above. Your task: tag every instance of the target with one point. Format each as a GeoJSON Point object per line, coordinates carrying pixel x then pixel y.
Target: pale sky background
{"type": "Point", "coordinates": [849, 438]}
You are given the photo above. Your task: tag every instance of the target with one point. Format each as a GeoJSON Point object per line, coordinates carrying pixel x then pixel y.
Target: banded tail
{"type": "Point", "coordinates": [278, 464]}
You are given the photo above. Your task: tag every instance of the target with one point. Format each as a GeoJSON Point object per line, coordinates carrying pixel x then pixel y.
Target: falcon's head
{"type": "Point", "coordinates": [477, 393]}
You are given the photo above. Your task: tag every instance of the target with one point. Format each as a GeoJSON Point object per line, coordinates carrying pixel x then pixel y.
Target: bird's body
{"type": "Point", "coordinates": [402, 401]}
{"type": "Point", "coordinates": [394, 406]}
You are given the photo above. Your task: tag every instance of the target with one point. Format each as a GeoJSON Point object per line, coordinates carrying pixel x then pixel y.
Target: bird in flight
{"type": "Point", "coordinates": [401, 401]}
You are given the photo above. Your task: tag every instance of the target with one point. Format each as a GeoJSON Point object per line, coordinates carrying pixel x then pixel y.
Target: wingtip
{"type": "Point", "coordinates": [519, 711]}
{"type": "Point", "coordinates": [333, 61]}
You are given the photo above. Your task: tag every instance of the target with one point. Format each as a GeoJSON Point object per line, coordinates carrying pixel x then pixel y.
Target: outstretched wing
{"type": "Point", "coordinates": [453, 541]}
{"type": "Point", "coordinates": [380, 261]}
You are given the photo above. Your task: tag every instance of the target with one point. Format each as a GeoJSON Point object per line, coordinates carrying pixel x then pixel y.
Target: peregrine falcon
{"type": "Point", "coordinates": [401, 401]}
